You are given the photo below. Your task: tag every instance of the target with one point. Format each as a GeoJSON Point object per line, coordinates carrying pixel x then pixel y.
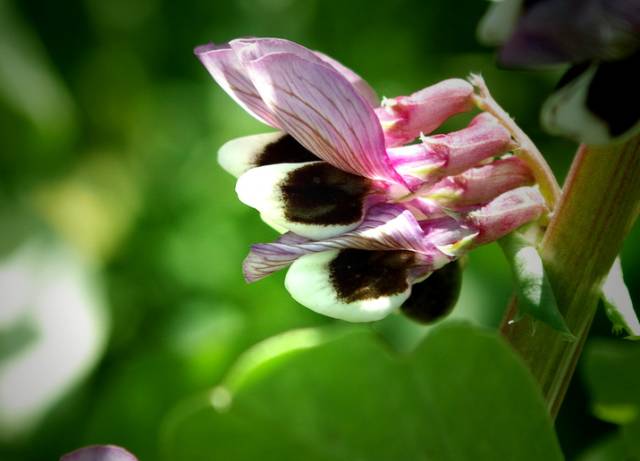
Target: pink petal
{"type": "Point", "coordinates": [452, 153]}
{"type": "Point", "coordinates": [506, 213]}
{"type": "Point", "coordinates": [481, 184]}
{"type": "Point", "coordinates": [226, 70]}
{"type": "Point", "coordinates": [406, 117]}
{"type": "Point", "coordinates": [386, 227]}
{"type": "Point", "coordinates": [361, 85]}
{"type": "Point", "coordinates": [250, 49]}
{"type": "Point", "coordinates": [321, 109]}
{"type": "Point", "coordinates": [99, 453]}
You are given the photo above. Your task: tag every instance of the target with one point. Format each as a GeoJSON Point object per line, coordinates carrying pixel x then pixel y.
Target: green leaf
{"type": "Point", "coordinates": [617, 303]}
{"type": "Point", "coordinates": [462, 395]}
{"type": "Point", "coordinates": [400, 334]}
{"type": "Point", "coordinates": [534, 292]}
{"type": "Point", "coordinates": [268, 353]}
{"type": "Point", "coordinates": [613, 379]}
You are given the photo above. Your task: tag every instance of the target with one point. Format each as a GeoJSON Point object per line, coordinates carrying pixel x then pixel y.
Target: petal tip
{"type": "Point", "coordinates": [99, 453]}
{"type": "Point", "coordinates": [202, 49]}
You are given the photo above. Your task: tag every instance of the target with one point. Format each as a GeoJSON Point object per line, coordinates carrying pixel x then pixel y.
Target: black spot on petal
{"type": "Point", "coordinates": [285, 150]}
{"type": "Point", "coordinates": [436, 296]}
{"type": "Point", "coordinates": [360, 274]}
{"type": "Point", "coordinates": [614, 94]}
{"type": "Point", "coordinates": [571, 74]}
{"type": "Point", "coordinates": [322, 194]}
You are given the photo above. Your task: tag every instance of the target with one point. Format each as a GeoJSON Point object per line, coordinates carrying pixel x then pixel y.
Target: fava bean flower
{"type": "Point", "coordinates": [364, 217]}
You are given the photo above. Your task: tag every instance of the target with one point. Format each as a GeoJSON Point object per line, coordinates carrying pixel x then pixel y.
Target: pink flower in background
{"type": "Point", "coordinates": [365, 216]}
{"type": "Point", "coordinates": [99, 453]}
{"type": "Point", "coordinates": [596, 100]}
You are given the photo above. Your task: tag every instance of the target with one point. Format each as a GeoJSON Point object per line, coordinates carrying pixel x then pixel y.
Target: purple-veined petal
{"type": "Point", "coordinates": [321, 109]}
{"type": "Point", "coordinates": [226, 70]}
{"type": "Point", "coordinates": [360, 84]}
{"type": "Point", "coordinates": [386, 227]}
{"type": "Point", "coordinates": [99, 453]}
{"type": "Point", "coordinates": [250, 49]}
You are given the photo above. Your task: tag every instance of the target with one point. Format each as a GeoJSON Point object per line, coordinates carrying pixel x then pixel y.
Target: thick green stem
{"type": "Point", "coordinates": [599, 204]}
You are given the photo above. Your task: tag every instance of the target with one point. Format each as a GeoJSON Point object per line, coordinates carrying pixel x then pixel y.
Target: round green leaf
{"type": "Point", "coordinates": [463, 394]}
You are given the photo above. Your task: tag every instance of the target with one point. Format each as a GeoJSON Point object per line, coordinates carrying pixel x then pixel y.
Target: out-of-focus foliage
{"type": "Point", "coordinates": [108, 135]}
{"type": "Point", "coordinates": [613, 377]}
{"type": "Point", "coordinates": [317, 405]}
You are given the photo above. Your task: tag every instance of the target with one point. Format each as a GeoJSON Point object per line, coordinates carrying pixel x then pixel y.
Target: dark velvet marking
{"type": "Point", "coordinates": [322, 194]}
{"type": "Point", "coordinates": [436, 296]}
{"type": "Point", "coordinates": [572, 73]}
{"type": "Point", "coordinates": [360, 274]}
{"type": "Point", "coordinates": [614, 94]}
{"type": "Point", "coordinates": [285, 150]}
{"type": "Point", "coordinates": [527, 4]}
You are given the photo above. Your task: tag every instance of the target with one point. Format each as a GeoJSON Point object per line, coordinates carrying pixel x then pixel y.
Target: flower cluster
{"type": "Point", "coordinates": [367, 214]}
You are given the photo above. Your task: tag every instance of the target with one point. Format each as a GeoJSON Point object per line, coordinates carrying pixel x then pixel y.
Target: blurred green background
{"type": "Point", "coordinates": [122, 240]}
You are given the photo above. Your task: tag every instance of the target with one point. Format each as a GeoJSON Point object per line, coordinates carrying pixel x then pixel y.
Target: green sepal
{"type": "Point", "coordinates": [533, 290]}
{"type": "Point", "coordinates": [618, 305]}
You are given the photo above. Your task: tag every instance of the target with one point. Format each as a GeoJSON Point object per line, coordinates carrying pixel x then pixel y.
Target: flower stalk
{"type": "Point", "coordinates": [599, 204]}
{"type": "Point", "coordinates": [524, 147]}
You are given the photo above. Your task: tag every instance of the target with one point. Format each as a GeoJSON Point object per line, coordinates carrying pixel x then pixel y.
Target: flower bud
{"type": "Point", "coordinates": [452, 153]}
{"type": "Point", "coordinates": [506, 213]}
{"type": "Point", "coordinates": [481, 184]}
{"type": "Point", "coordinates": [404, 118]}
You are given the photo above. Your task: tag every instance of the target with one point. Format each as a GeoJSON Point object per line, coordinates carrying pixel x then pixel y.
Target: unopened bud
{"type": "Point", "coordinates": [452, 153]}
{"type": "Point", "coordinates": [481, 184]}
{"type": "Point", "coordinates": [506, 213]}
{"type": "Point", "coordinates": [404, 118]}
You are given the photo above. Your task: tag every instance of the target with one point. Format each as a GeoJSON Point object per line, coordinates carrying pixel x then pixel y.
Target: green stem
{"type": "Point", "coordinates": [523, 146]}
{"type": "Point", "coordinates": [599, 204]}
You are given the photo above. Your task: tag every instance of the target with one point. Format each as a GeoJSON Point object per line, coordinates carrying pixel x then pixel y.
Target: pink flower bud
{"type": "Point", "coordinates": [452, 153]}
{"type": "Point", "coordinates": [404, 118]}
{"type": "Point", "coordinates": [506, 213]}
{"type": "Point", "coordinates": [481, 184]}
